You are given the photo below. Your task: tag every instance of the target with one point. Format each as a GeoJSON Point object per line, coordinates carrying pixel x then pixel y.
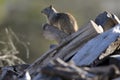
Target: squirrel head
{"type": "Point", "coordinates": [49, 10]}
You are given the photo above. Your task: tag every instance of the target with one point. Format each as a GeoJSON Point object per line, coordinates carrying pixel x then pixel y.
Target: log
{"type": "Point", "coordinates": [95, 47]}
{"type": "Point", "coordinates": [72, 42]}
{"type": "Point", "coordinates": [57, 69]}
{"type": "Point", "coordinates": [105, 57]}
{"type": "Point", "coordinates": [115, 59]}
{"type": "Point", "coordinates": [63, 70]}
{"type": "Point", "coordinates": [88, 32]}
{"type": "Point", "coordinates": [112, 49]}
{"type": "Point", "coordinates": [107, 20]}
{"type": "Point", "coordinates": [78, 49]}
{"type": "Point", "coordinates": [105, 72]}
{"type": "Point", "coordinates": [60, 69]}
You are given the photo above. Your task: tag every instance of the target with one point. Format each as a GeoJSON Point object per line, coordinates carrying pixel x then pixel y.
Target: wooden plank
{"type": "Point", "coordinates": [115, 59]}
{"type": "Point", "coordinates": [93, 49]}
{"type": "Point", "coordinates": [63, 70]}
{"type": "Point", "coordinates": [113, 48]}
{"type": "Point", "coordinates": [104, 72]}
{"type": "Point", "coordinates": [104, 58]}
{"type": "Point", "coordinates": [80, 36]}
{"type": "Point", "coordinates": [65, 52]}
{"type": "Point", "coordinates": [91, 30]}
{"type": "Point", "coordinates": [107, 20]}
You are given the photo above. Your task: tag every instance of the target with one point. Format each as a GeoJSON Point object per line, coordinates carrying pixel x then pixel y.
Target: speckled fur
{"type": "Point", "coordinates": [64, 21]}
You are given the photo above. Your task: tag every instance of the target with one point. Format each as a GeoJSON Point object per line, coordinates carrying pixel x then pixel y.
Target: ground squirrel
{"type": "Point", "coordinates": [64, 21]}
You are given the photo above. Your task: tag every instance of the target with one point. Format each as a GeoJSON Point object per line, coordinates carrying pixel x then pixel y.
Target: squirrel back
{"type": "Point", "coordinates": [64, 21]}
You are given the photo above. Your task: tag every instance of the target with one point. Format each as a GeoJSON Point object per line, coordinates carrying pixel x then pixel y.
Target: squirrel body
{"type": "Point", "coordinates": [64, 21]}
{"type": "Point", "coordinates": [53, 33]}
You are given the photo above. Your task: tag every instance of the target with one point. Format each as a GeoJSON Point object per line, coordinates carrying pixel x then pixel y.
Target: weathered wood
{"type": "Point", "coordinates": [100, 48]}
{"type": "Point", "coordinates": [63, 70]}
{"type": "Point", "coordinates": [107, 20]}
{"type": "Point", "coordinates": [58, 68]}
{"type": "Point", "coordinates": [105, 72]}
{"type": "Point", "coordinates": [115, 59]}
{"type": "Point", "coordinates": [90, 30]}
{"type": "Point", "coordinates": [95, 47]}
{"type": "Point", "coordinates": [104, 58]}
{"type": "Point", "coordinates": [112, 49]}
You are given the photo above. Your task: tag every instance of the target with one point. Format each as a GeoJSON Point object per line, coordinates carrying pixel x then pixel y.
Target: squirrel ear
{"type": "Point", "coordinates": [51, 6]}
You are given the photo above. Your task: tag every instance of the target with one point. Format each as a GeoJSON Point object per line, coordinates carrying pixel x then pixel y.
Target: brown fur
{"type": "Point", "coordinates": [64, 21]}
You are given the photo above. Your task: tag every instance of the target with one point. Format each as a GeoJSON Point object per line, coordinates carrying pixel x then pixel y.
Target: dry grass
{"type": "Point", "coordinates": [9, 51]}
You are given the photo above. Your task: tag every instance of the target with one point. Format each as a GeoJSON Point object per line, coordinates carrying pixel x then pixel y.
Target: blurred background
{"type": "Point", "coordinates": [25, 19]}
